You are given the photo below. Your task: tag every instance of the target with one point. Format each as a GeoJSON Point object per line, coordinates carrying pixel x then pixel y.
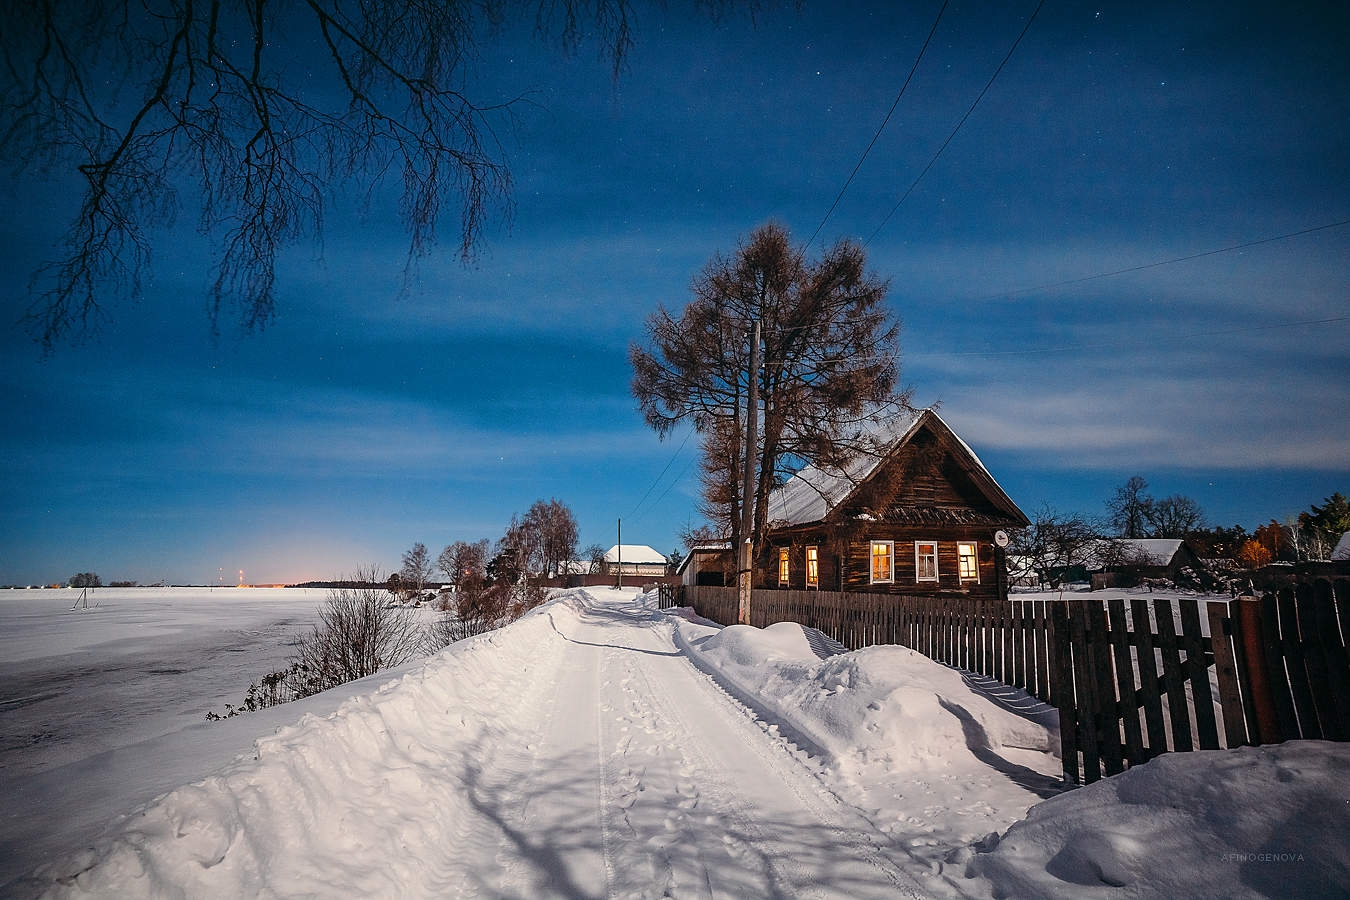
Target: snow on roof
{"type": "Point", "coordinates": [810, 494]}
{"type": "Point", "coordinates": [1153, 551]}
{"type": "Point", "coordinates": [634, 553]}
{"type": "Point", "coordinates": [1342, 550]}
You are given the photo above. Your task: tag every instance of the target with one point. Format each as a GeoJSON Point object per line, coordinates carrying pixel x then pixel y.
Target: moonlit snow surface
{"type": "Point", "coordinates": [599, 747]}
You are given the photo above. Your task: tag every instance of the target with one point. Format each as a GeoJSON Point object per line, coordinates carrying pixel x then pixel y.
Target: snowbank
{"type": "Point", "coordinates": [354, 804]}
{"type": "Point", "coordinates": [935, 761]}
{"type": "Point", "coordinates": [1251, 822]}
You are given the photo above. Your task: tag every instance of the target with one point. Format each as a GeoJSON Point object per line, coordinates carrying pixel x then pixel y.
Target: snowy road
{"type": "Point", "coordinates": [662, 785]}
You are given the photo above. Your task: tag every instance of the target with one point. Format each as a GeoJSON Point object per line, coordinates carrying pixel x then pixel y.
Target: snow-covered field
{"type": "Point", "coordinates": [599, 747]}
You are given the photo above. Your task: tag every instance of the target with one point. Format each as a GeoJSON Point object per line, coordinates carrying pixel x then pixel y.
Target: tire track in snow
{"type": "Point", "coordinates": [716, 793]}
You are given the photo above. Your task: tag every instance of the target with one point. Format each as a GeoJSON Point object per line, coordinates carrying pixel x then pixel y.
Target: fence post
{"type": "Point", "coordinates": [1266, 729]}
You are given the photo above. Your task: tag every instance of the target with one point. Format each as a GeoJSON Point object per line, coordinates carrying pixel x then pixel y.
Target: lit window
{"type": "Point", "coordinates": [967, 563]}
{"type": "Point", "coordinates": [883, 561]}
{"type": "Point", "coordinates": [813, 567]}
{"type": "Point", "coordinates": [925, 561]}
{"type": "Point", "coordinates": [783, 569]}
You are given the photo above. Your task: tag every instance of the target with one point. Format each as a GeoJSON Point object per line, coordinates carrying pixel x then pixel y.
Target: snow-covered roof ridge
{"type": "Point", "coordinates": [634, 553]}
{"type": "Point", "coordinates": [1342, 550]}
{"type": "Point", "coordinates": [810, 494]}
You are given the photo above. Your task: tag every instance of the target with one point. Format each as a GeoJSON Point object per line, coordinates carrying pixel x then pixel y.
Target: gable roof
{"type": "Point", "coordinates": [1342, 550]}
{"type": "Point", "coordinates": [811, 494]}
{"type": "Point", "coordinates": [636, 554]}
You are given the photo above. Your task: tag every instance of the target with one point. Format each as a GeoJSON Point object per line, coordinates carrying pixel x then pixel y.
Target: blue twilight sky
{"type": "Point", "coordinates": [1117, 136]}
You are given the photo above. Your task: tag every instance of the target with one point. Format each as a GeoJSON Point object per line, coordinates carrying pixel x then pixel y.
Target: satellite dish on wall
{"type": "Point", "coordinates": [1001, 538]}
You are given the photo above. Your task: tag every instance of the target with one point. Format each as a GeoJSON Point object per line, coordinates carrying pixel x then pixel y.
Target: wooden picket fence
{"type": "Point", "coordinates": [1006, 641]}
{"type": "Point", "coordinates": [1252, 671]}
{"type": "Point", "coordinates": [1131, 678]}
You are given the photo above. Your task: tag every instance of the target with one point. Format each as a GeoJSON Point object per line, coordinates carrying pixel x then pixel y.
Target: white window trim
{"type": "Point", "coordinates": [784, 573]}
{"type": "Point", "coordinates": [975, 553]}
{"type": "Point", "coordinates": [871, 557]}
{"type": "Point", "coordinates": [812, 584]}
{"type": "Point", "coordinates": [936, 571]}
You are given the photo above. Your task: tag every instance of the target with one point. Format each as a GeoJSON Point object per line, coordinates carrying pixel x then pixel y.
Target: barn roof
{"type": "Point", "coordinates": [813, 493]}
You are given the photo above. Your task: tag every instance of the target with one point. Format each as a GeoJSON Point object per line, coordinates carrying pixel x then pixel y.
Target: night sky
{"type": "Point", "coordinates": [1117, 136]}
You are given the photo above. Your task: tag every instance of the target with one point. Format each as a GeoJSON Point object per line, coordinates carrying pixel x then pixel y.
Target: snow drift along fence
{"type": "Point", "coordinates": [1006, 641]}
{"type": "Point", "coordinates": [1131, 678]}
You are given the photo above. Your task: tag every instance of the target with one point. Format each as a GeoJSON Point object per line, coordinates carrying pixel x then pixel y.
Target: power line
{"type": "Point", "coordinates": [882, 126]}
{"type": "Point", "coordinates": [1167, 262]}
{"type": "Point", "coordinates": [932, 161]}
{"type": "Point", "coordinates": [658, 478]}
{"type": "Point", "coordinates": [1110, 345]}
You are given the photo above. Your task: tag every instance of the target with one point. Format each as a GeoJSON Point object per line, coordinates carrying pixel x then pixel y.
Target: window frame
{"type": "Point", "coordinates": [872, 562]}
{"type": "Point", "coordinates": [784, 566]}
{"type": "Point", "coordinates": [813, 567]}
{"type": "Point", "coordinates": [920, 578]}
{"type": "Point", "coordinates": [974, 557]}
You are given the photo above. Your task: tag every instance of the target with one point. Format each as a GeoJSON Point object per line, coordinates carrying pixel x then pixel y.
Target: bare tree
{"type": "Point", "coordinates": [147, 99]}
{"type": "Point", "coordinates": [556, 528]}
{"type": "Point", "coordinates": [1173, 517]}
{"type": "Point", "coordinates": [416, 569]}
{"type": "Point", "coordinates": [595, 557]}
{"type": "Point", "coordinates": [543, 539]}
{"type": "Point", "coordinates": [1056, 544]}
{"type": "Point", "coordinates": [828, 375]}
{"type": "Point", "coordinates": [1128, 508]}
{"type": "Point", "coordinates": [462, 560]}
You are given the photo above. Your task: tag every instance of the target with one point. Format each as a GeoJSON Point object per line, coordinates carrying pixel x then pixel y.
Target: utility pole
{"type": "Point", "coordinates": [745, 564]}
{"type": "Point", "coordinates": [618, 548]}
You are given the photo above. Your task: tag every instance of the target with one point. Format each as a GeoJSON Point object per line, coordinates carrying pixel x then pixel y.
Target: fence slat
{"type": "Point", "coordinates": [1129, 706]}
{"type": "Point", "coordinates": [1084, 686]}
{"type": "Point", "coordinates": [1197, 669]}
{"type": "Point", "coordinates": [1150, 699]}
{"type": "Point", "coordinates": [1277, 681]}
{"type": "Point", "coordinates": [1108, 708]}
{"type": "Point", "coordinates": [1225, 667]}
{"type": "Point", "coordinates": [1295, 664]}
{"type": "Point", "coordinates": [1177, 712]}
{"type": "Point", "coordinates": [1315, 660]}
{"type": "Point", "coordinates": [1338, 662]}
{"type": "Point", "coordinates": [1064, 693]}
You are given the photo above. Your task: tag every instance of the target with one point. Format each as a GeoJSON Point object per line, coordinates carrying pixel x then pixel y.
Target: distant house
{"type": "Point", "coordinates": [922, 517]}
{"type": "Point", "coordinates": [1122, 560]}
{"type": "Point", "coordinates": [635, 559]}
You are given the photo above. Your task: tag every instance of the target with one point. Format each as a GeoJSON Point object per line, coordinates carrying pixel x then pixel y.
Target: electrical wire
{"type": "Point", "coordinates": [1167, 262]}
{"type": "Point", "coordinates": [658, 478]}
{"type": "Point", "coordinates": [882, 126]}
{"type": "Point", "coordinates": [932, 161]}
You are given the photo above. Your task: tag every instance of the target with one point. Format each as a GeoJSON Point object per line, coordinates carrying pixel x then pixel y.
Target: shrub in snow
{"type": "Point", "coordinates": [358, 634]}
{"type": "Point", "coordinates": [478, 607]}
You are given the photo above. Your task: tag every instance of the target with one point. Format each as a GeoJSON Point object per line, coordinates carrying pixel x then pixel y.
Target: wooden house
{"type": "Point", "coordinates": [923, 516]}
{"type": "Point", "coordinates": [1124, 562]}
